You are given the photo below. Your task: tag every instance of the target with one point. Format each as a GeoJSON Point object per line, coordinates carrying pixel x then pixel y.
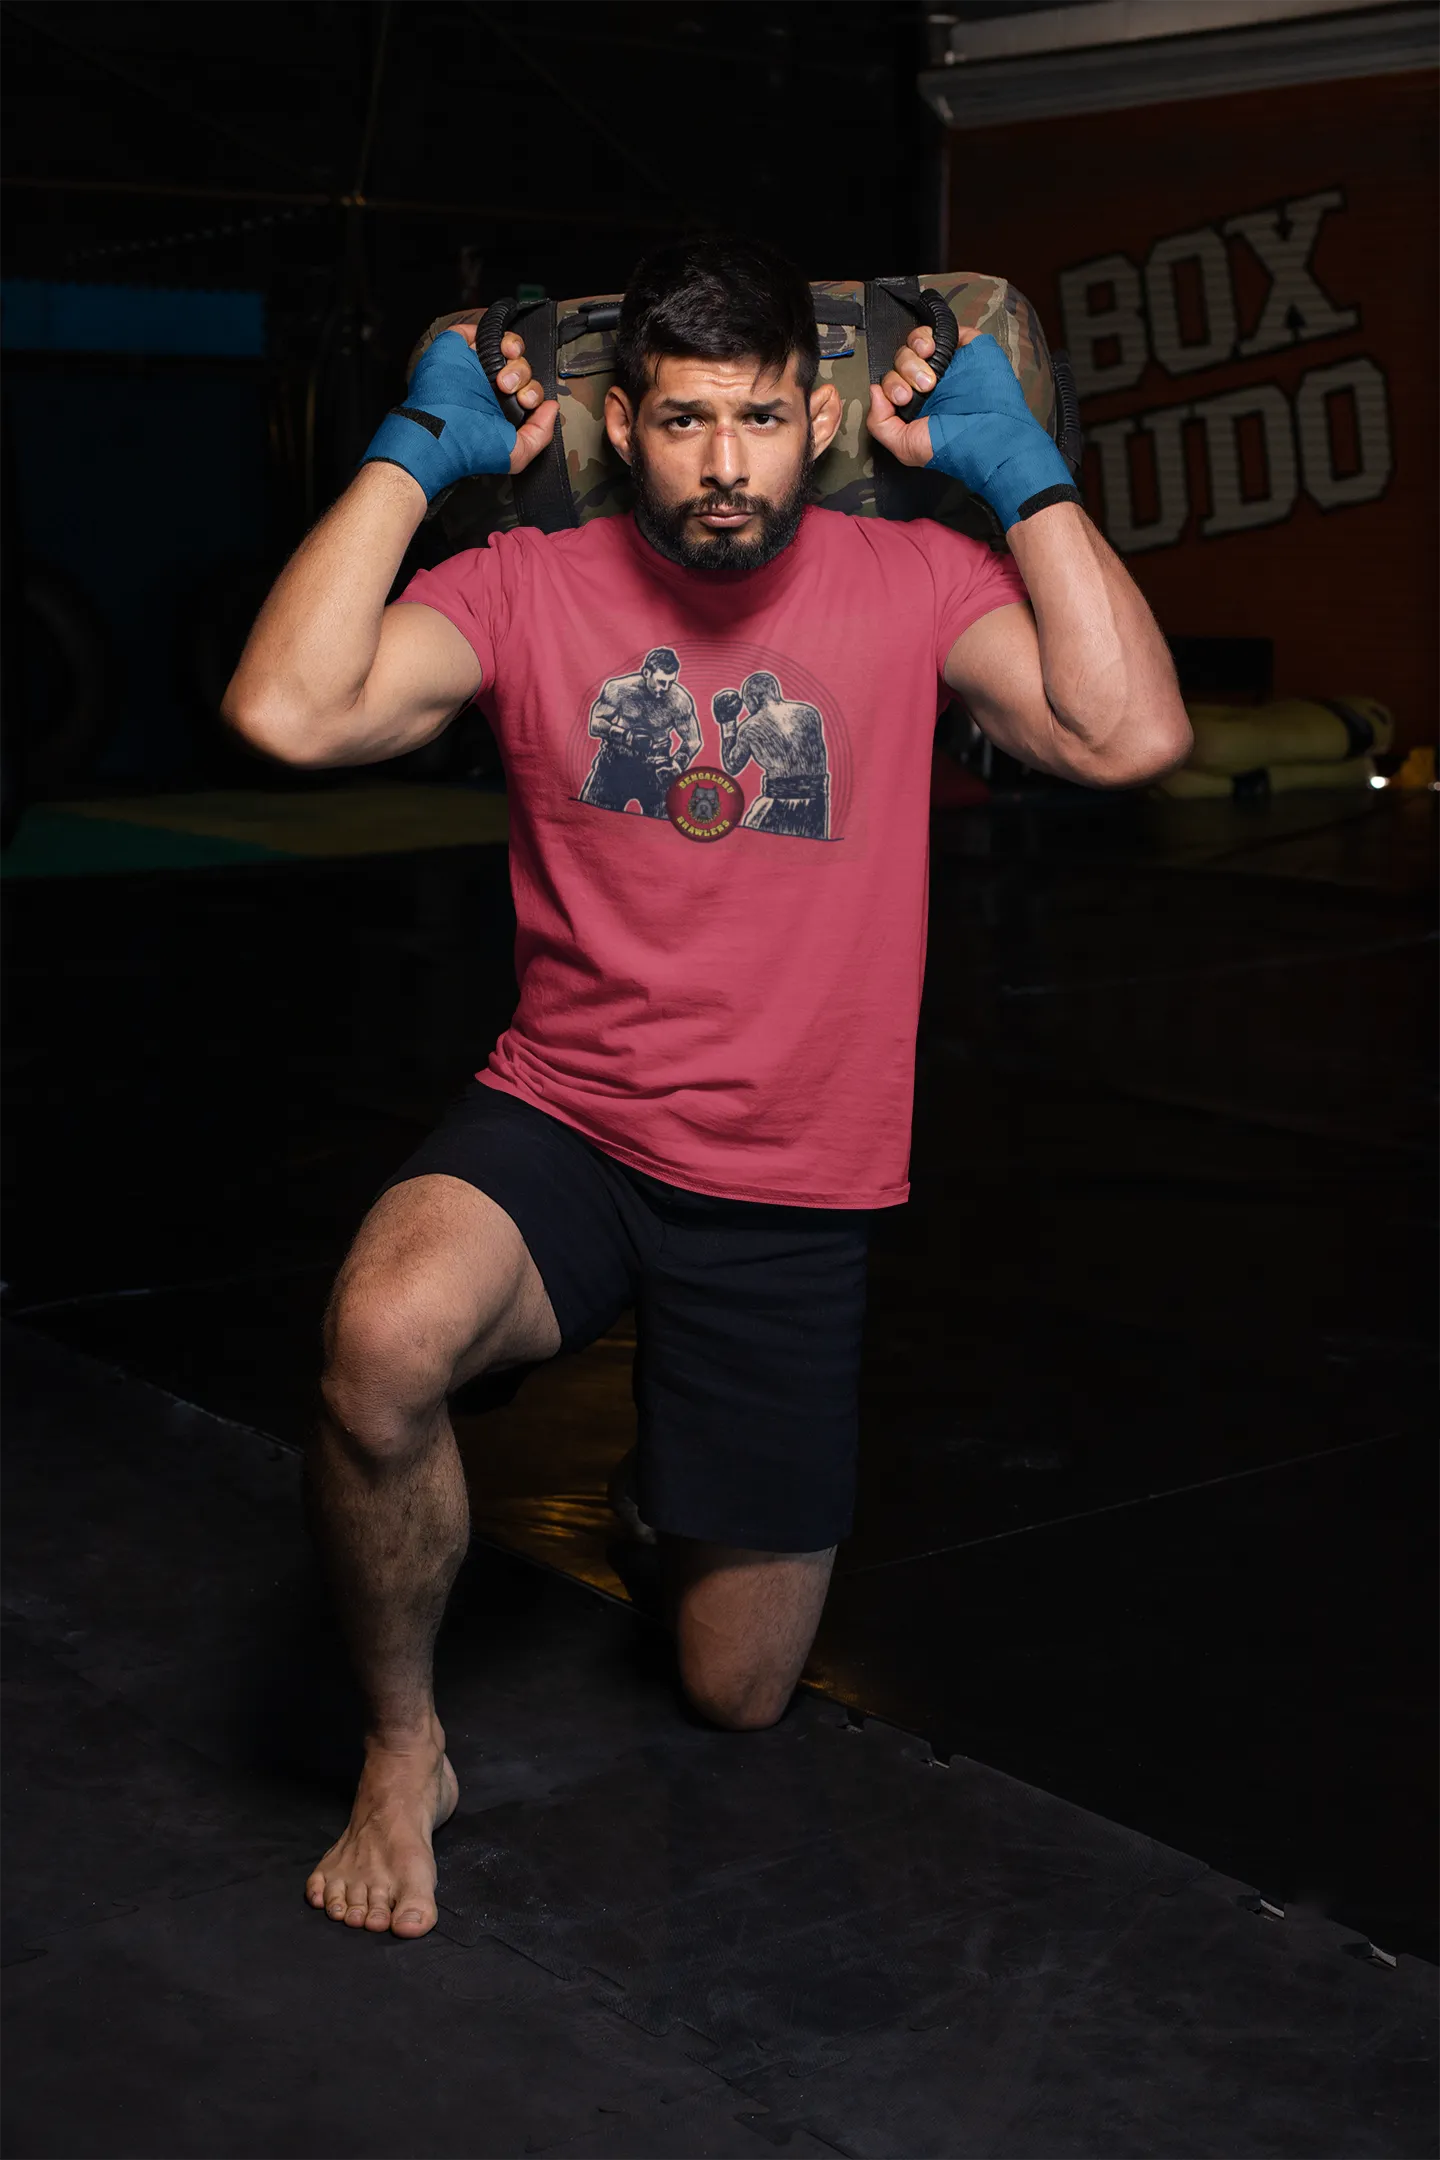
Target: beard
{"type": "Point", "coordinates": [664, 524]}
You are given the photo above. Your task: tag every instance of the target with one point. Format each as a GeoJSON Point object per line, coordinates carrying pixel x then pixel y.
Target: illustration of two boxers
{"type": "Point", "coordinates": [649, 732]}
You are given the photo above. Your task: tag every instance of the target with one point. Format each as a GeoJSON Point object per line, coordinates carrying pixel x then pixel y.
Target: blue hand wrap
{"type": "Point", "coordinates": [984, 434]}
{"type": "Point", "coordinates": [450, 425]}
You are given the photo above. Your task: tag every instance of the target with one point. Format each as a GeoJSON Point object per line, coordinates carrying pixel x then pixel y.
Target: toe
{"type": "Point", "coordinates": [414, 1915]}
{"type": "Point", "coordinates": [357, 1904]}
{"type": "Point", "coordinates": [336, 1900]}
{"type": "Point", "coordinates": [378, 1917]}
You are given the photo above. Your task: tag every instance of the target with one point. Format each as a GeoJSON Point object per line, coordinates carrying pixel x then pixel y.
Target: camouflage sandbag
{"type": "Point", "coordinates": [571, 346]}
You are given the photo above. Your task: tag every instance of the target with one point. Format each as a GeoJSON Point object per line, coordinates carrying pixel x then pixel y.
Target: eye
{"type": "Point", "coordinates": [767, 420]}
{"type": "Point", "coordinates": [683, 420]}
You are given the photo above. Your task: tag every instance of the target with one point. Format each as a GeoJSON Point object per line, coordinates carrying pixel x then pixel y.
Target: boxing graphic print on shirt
{"type": "Point", "coordinates": [649, 740]}
{"type": "Point", "coordinates": [649, 732]}
{"type": "Point", "coordinates": [786, 739]}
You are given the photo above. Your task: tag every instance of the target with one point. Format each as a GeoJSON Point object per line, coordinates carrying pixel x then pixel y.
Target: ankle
{"type": "Point", "coordinates": [414, 1736]}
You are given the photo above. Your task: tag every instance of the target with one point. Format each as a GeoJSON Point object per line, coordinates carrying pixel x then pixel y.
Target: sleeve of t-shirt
{"type": "Point", "coordinates": [970, 580]}
{"type": "Point", "coordinates": [468, 590]}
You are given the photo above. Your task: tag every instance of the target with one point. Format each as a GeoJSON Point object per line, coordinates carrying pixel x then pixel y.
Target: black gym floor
{"type": "Point", "coordinates": [1135, 1630]}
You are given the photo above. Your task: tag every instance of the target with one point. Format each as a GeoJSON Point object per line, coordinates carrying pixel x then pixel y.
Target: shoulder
{"type": "Point", "coordinates": [939, 544]}
{"type": "Point", "coordinates": [524, 547]}
{"type": "Point", "coordinates": [889, 540]}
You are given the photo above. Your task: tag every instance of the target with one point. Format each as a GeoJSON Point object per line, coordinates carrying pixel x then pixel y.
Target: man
{"type": "Point", "coordinates": [635, 717]}
{"type": "Point", "coordinates": [787, 741]}
{"type": "Point", "coordinates": [706, 1087]}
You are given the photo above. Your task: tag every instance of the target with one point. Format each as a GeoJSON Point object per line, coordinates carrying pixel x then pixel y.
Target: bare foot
{"type": "Point", "coordinates": [381, 1873]}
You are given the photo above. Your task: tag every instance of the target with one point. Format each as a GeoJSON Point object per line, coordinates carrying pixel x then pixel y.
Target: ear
{"type": "Point", "coordinates": [826, 413]}
{"type": "Point", "coordinates": [619, 421]}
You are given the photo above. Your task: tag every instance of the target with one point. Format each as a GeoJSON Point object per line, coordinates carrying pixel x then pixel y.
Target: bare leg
{"type": "Point", "coordinates": [439, 1287]}
{"type": "Point", "coordinates": [744, 1623]}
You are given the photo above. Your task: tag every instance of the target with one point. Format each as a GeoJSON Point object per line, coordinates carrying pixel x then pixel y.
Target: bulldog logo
{"type": "Point", "coordinates": [704, 804]}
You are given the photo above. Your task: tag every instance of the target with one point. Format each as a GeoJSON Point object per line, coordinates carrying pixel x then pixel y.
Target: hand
{"type": "Point", "coordinates": [520, 383]}
{"type": "Point", "coordinates": [727, 706]}
{"type": "Point", "coordinates": [977, 428]}
{"type": "Point", "coordinates": [907, 440]}
{"type": "Point", "coordinates": [450, 425]}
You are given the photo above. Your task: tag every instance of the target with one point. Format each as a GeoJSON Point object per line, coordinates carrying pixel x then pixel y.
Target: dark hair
{"type": "Point", "coordinates": [759, 689]}
{"type": "Point", "coordinates": [664, 659]}
{"type": "Point", "coordinates": [718, 299]}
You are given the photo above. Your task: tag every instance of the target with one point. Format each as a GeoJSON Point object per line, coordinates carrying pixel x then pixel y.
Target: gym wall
{"type": "Point", "coordinates": [1246, 285]}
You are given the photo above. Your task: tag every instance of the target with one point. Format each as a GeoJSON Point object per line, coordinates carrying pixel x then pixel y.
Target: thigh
{"type": "Point", "coordinates": [496, 1245]}
{"type": "Point", "coordinates": [746, 1379]}
{"type": "Point", "coordinates": [744, 1623]}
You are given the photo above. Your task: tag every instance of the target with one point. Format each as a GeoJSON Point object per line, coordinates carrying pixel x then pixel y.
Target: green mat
{"type": "Point", "coordinates": [222, 829]}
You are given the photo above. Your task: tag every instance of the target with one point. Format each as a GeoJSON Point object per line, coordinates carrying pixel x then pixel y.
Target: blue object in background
{"type": "Point", "coordinates": [141, 483]}
{"type": "Point", "coordinates": [36, 316]}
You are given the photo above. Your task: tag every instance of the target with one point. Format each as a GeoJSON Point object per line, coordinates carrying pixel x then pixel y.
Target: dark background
{"type": "Point", "coordinates": [1148, 1486]}
{"type": "Point", "coordinates": [218, 146]}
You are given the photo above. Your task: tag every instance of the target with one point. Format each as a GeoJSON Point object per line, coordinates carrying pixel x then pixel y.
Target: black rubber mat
{"type": "Point", "coordinates": [654, 1939]}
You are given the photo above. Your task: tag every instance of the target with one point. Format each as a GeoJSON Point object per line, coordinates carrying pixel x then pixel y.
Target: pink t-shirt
{"type": "Point", "coordinates": [719, 792]}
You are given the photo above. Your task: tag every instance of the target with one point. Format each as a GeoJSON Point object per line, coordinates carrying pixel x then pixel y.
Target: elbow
{"type": "Point", "coordinates": [1166, 744]}
{"type": "Point", "coordinates": [1146, 749]}
{"type": "Point", "coordinates": [272, 732]}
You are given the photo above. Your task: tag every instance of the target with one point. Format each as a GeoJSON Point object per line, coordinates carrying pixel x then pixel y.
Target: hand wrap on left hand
{"type": "Point", "coordinates": [983, 434]}
{"type": "Point", "coordinates": [450, 425]}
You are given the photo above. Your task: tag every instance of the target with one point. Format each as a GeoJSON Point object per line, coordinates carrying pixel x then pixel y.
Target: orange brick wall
{"type": "Point", "coordinates": [1346, 590]}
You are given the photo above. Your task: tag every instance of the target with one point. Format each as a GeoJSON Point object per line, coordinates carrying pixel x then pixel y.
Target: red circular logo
{"type": "Point", "coordinates": [705, 804]}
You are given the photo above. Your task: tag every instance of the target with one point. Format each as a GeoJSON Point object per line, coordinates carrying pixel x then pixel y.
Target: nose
{"type": "Point", "coordinates": [726, 466]}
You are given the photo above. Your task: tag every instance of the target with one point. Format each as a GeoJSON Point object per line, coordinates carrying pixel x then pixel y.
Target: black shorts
{"type": "Point", "coordinates": [748, 1320]}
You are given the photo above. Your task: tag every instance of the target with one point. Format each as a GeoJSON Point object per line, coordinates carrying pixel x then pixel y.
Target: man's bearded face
{"type": "Point", "coordinates": [669, 527]}
{"type": "Point", "coordinates": [721, 458]}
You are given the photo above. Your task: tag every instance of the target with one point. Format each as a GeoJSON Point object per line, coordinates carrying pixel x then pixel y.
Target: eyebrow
{"type": "Point", "coordinates": [702, 406]}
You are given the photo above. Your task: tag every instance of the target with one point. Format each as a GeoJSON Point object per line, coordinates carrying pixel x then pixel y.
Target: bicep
{"type": "Point", "coordinates": [994, 668]}
{"type": "Point", "coordinates": [423, 672]}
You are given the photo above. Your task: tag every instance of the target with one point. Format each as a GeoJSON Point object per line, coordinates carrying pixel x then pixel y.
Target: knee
{"type": "Point", "coordinates": [736, 1705]}
{"type": "Point", "coordinates": [384, 1379]}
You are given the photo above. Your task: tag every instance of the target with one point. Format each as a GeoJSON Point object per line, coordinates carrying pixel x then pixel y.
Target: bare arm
{"type": "Point", "coordinates": [1080, 682]}
{"type": "Point", "coordinates": [330, 675]}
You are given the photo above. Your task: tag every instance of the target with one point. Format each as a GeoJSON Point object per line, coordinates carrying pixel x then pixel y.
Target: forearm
{"type": "Point", "coordinates": [1108, 675]}
{"type": "Point", "coordinates": [299, 688]}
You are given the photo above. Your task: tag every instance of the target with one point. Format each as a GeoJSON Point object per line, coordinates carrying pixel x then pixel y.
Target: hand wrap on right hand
{"type": "Point", "coordinates": [983, 433]}
{"type": "Point", "coordinates": [450, 425]}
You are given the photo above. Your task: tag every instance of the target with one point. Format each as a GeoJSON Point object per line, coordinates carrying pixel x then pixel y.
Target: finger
{"type": "Point", "coordinates": [921, 341]}
{"type": "Point", "coordinates": [912, 369]}
{"type": "Point", "coordinates": [531, 396]}
{"type": "Point", "coordinates": [533, 434]}
{"type": "Point", "coordinates": [512, 345]}
{"type": "Point", "coordinates": [464, 330]}
{"type": "Point", "coordinates": [967, 337]}
{"type": "Point", "coordinates": [908, 441]}
{"type": "Point", "coordinates": [896, 389]}
{"type": "Point", "coordinates": [514, 375]}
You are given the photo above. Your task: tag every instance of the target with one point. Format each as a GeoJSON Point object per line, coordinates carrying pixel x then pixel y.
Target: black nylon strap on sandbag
{"type": "Point", "coordinates": [543, 496]}
{"type": "Point", "coordinates": [893, 308]}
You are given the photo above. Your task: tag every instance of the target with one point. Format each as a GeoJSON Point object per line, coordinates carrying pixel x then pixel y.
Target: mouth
{"type": "Point", "coordinates": [724, 520]}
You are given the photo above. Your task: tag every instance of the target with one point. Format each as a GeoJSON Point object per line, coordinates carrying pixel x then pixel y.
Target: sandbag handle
{"type": "Point", "coordinates": [941, 319]}
{"type": "Point", "coordinates": [1065, 423]}
{"type": "Point", "coordinates": [497, 319]}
